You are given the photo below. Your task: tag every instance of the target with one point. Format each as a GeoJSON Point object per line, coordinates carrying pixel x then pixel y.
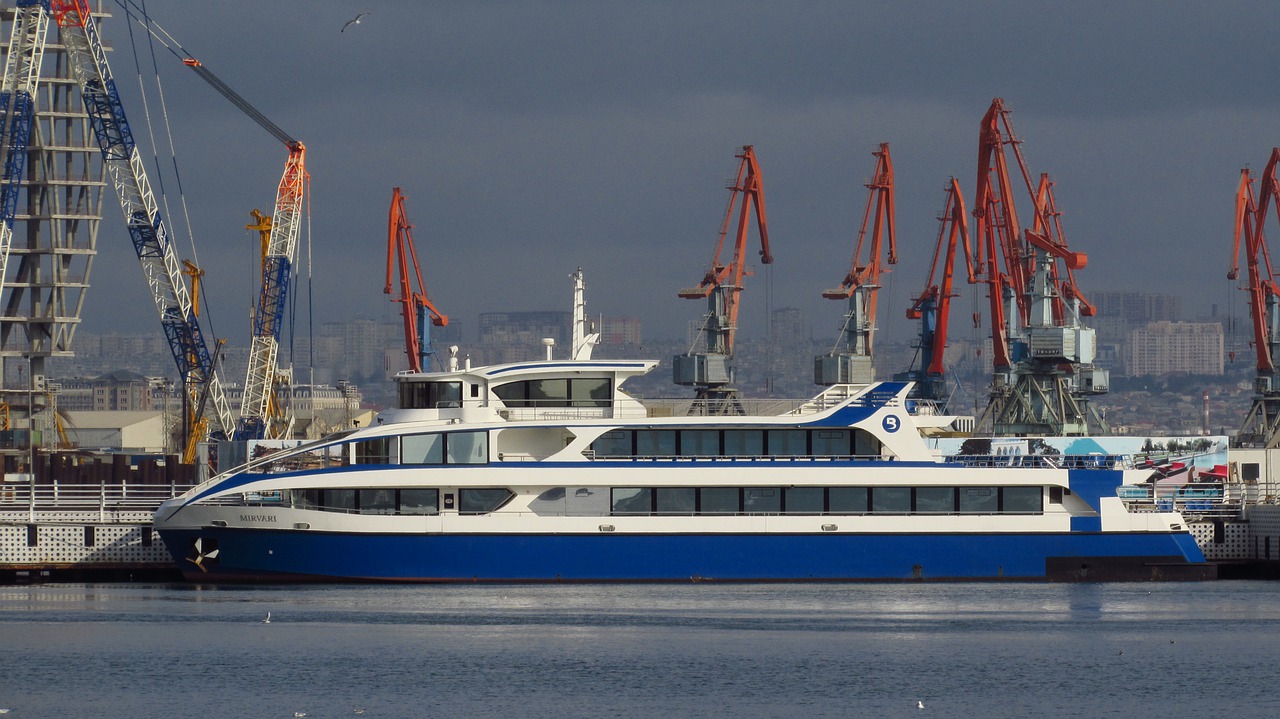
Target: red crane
{"type": "Point", "coordinates": [709, 371]}
{"type": "Point", "coordinates": [861, 283]}
{"type": "Point", "coordinates": [1042, 356]}
{"type": "Point", "coordinates": [400, 254]}
{"type": "Point", "coordinates": [933, 306]}
{"type": "Point", "coordinates": [725, 279]}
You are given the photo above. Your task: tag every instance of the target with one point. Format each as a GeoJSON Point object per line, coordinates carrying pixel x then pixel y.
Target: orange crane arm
{"type": "Point", "coordinates": [880, 192]}
{"type": "Point", "coordinates": [400, 253]}
{"type": "Point", "coordinates": [750, 185]}
{"type": "Point", "coordinates": [939, 295]}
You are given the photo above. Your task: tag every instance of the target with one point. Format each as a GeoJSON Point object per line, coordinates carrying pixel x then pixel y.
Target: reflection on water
{"type": "Point", "coordinates": [838, 650]}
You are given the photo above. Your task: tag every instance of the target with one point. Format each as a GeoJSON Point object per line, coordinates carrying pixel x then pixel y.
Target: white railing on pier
{"type": "Point", "coordinates": [107, 500]}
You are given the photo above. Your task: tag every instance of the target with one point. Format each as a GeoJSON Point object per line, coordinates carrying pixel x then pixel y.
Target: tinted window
{"type": "Point", "coordinates": [935, 500]}
{"type": "Point", "coordinates": [806, 500]}
{"type": "Point", "coordinates": [762, 500]}
{"type": "Point", "coordinates": [613, 444]}
{"type": "Point", "coordinates": [632, 500]}
{"type": "Point", "coordinates": [468, 447]}
{"type": "Point", "coordinates": [1023, 499]}
{"type": "Point", "coordinates": [479, 501]}
{"type": "Point", "coordinates": [699, 442]}
{"type": "Point", "coordinates": [719, 500]}
{"type": "Point", "coordinates": [743, 442]}
{"type": "Point", "coordinates": [588, 392]}
{"type": "Point", "coordinates": [549, 392]}
{"type": "Point", "coordinates": [340, 499]}
{"type": "Point", "coordinates": [847, 500]}
{"type": "Point", "coordinates": [656, 442]}
{"type": "Point", "coordinates": [831, 442]}
{"type": "Point", "coordinates": [979, 500]}
{"type": "Point", "coordinates": [377, 501]}
{"type": "Point", "coordinates": [892, 500]}
{"type": "Point", "coordinates": [676, 500]}
{"type": "Point", "coordinates": [419, 501]}
{"type": "Point", "coordinates": [374, 451]}
{"type": "Point", "coordinates": [422, 449]}
{"type": "Point", "coordinates": [788, 442]}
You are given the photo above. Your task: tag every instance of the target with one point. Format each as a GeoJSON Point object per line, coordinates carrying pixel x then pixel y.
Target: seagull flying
{"type": "Point", "coordinates": [267, 620]}
{"type": "Point", "coordinates": [919, 704]}
{"type": "Point", "coordinates": [353, 21]}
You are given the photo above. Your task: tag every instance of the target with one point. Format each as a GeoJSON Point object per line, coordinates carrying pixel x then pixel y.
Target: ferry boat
{"type": "Point", "coordinates": [550, 471]}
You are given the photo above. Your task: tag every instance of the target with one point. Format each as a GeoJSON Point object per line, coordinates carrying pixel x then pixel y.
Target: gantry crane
{"type": "Point", "coordinates": [1042, 355]}
{"type": "Point", "coordinates": [414, 303]}
{"type": "Point", "coordinates": [1262, 425]}
{"type": "Point", "coordinates": [933, 306]}
{"type": "Point", "coordinates": [147, 228]}
{"type": "Point", "coordinates": [710, 370]}
{"type": "Point", "coordinates": [17, 109]}
{"type": "Point", "coordinates": [277, 268]}
{"type": "Point", "coordinates": [861, 285]}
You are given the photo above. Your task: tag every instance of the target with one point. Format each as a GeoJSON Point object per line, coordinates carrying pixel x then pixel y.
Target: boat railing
{"type": "Point", "coordinates": [738, 457]}
{"type": "Point", "coordinates": [1197, 500]}
{"type": "Point", "coordinates": [1043, 461]}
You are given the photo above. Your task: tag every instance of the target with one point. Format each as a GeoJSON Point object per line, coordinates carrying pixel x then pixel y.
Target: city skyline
{"type": "Point", "coordinates": [531, 140]}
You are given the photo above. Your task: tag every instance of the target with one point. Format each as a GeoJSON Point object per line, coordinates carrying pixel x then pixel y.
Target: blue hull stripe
{"type": "Point", "coordinates": [262, 554]}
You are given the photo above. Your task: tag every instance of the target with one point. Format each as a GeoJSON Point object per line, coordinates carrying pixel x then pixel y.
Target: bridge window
{"type": "Point", "coordinates": [570, 392]}
{"type": "Point", "coordinates": [430, 395]}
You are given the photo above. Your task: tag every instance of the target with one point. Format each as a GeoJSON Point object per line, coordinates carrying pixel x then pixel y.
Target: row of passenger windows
{"type": "Point", "coordinates": [391, 501]}
{"type": "Point", "coordinates": [826, 500]}
{"type": "Point", "coordinates": [737, 443]}
{"type": "Point", "coordinates": [439, 448]}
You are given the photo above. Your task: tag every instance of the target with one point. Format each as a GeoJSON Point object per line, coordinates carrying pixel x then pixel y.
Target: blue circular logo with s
{"type": "Point", "coordinates": [891, 423]}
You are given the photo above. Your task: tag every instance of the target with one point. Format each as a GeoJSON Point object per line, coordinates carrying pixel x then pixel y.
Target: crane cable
{"type": "Point", "coordinates": [142, 18]}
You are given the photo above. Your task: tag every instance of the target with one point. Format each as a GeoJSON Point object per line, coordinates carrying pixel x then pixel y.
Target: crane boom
{"type": "Point", "coordinates": [710, 371]}
{"type": "Point", "coordinates": [277, 267]}
{"type": "Point", "coordinates": [147, 228]}
{"type": "Point", "coordinates": [400, 253]}
{"type": "Point", "coordinates": [17, 108]}
{"type": "Point", "coordinates": [861, 284]}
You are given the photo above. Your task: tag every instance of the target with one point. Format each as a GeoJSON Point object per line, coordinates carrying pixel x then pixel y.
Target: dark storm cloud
{"type": "Point", "coordinates": [535, 137]}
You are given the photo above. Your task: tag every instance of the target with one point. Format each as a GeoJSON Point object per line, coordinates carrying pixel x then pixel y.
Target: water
{"type": "Point", "coordinates": [695, 650]}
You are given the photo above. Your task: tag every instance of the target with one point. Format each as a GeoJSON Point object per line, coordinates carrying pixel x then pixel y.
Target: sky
{"type": "Point", "coordinates": [533, 138]}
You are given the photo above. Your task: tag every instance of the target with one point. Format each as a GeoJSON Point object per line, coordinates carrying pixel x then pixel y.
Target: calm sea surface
{"type": "Point", "coordinates": [689, 650]}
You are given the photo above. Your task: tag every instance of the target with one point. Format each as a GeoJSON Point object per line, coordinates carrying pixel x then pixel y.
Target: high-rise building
{"type": "Point", "coordinates": [1176, 348]}
{"type": "Point", "coordinates": [620, 330]}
